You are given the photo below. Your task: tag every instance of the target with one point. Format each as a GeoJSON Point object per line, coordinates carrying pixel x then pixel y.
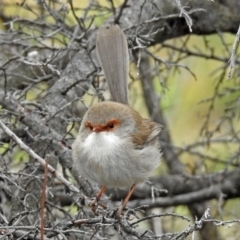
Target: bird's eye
{"type": "Point", "coordinates": [111, 125]}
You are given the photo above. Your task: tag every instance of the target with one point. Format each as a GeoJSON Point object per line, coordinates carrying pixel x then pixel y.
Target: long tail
{"type": "Point", "coordinates": [112, 52]}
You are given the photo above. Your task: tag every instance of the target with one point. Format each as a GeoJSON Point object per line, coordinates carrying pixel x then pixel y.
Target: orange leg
{"type": "Point", "coordinates": [102, 190]}
{"type": "Point", "coordinates": [125, 201]}
{"type": "Point", "coordinates": [92, 204]}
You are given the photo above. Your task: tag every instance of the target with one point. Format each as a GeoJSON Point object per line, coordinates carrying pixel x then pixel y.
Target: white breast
{"type": "Point", "coordinates": [101, 146]}
{"type": "Point", "coordinates": [112, 161]}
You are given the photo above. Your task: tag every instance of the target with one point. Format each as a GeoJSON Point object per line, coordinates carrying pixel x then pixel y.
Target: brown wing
{"type": "Point", "coordinates": [156, 128]}
{"type": "Point", "coordinates": [146, 133]}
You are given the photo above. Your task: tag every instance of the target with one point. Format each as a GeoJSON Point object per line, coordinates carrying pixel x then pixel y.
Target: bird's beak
{"type": "Point", "coordinates": [97, 129]}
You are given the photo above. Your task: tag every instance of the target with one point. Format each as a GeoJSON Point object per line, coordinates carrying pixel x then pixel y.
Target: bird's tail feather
{"type": "Point", "coordinates": [112, 52]}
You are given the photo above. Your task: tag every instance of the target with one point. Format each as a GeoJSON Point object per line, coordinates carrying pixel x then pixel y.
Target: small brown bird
{"type": "Point", "coordinates": [115, 146]}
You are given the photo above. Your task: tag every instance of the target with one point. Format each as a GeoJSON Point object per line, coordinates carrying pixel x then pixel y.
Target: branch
{"type": "Point", "coordinates": [35, 156]}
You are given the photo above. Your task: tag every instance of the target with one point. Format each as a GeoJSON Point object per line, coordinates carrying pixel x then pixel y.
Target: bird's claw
{"type": "Point", "coordinates": [94, 204]}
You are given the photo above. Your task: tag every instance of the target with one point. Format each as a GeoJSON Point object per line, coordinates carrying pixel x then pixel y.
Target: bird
{"type": "Point", "coordinates": [115, 146]}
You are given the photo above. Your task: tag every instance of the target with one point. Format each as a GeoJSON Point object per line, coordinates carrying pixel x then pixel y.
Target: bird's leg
{"type": "Point", "coordinates": [102, 190]}
{"type": "Point", "coordinates": [96, 199]}
{"type": "Point", "coordinates": [125, 201]}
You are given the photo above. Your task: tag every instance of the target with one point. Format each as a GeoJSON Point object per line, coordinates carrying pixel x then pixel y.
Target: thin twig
{"type": "Point", "coordinates": [35, 156]}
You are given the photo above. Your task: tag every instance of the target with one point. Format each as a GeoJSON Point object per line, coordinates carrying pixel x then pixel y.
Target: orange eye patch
{"type": "Point", "coordinates": [109, 126]}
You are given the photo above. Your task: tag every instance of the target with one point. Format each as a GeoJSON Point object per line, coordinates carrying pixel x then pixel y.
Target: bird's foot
{"type": "Point", "coordinates": [94, 205]}
{"type": "Point", "coordinates": [118, 213]}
